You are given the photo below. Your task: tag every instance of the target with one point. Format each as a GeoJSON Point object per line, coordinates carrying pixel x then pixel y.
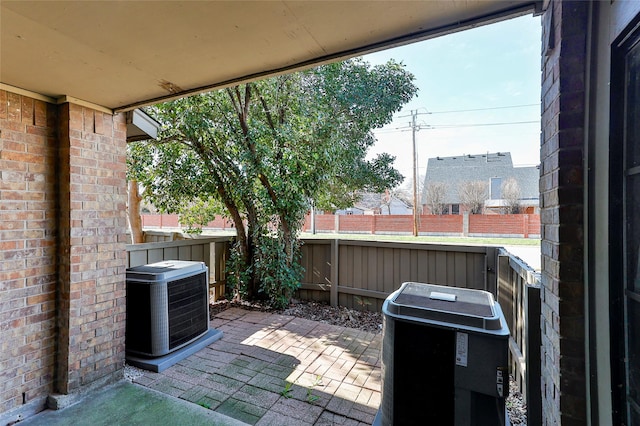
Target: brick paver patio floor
{"type": "Point", "coordinates": [271, 369]}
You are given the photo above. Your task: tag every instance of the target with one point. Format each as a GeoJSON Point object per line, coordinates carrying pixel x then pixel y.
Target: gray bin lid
{"type": "Point", "coordinates": [448, 305]}
{"type": "Point", "coordinates": [164, 271]}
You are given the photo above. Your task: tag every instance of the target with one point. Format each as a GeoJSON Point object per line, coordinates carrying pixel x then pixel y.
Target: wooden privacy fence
{"type": "Point", "coordinates": [366, 272]}
{"type": "Point", "coordinates": [211, 251]}
{"type": "Point", "coordinates": [361, 274]}
{"type": "Point", "coordinates": [519, 297]}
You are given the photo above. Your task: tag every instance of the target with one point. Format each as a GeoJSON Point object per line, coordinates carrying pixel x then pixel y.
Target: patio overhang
{"type": "Point", "coordinates": [122, 55]}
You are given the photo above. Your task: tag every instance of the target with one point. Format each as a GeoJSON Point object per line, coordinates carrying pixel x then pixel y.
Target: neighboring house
{"type": "Point", "coordinates": [372, 203]}
{"type": "Point", "coordinates": [355, 210]}
{"type": "Point", "coordinates": [493, 168]}
{"type": "Point", "coordinates": [396, 206]}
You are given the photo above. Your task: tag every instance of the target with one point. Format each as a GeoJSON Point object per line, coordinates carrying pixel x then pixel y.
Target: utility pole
{"type": "Point", "coordinates": [414, 128]}
{"type": "Point", "coordinates": [414, 114]}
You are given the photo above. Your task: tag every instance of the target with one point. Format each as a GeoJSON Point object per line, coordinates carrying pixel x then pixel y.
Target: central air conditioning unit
{"type": "Point", "coordinates": [167, 307]}
{"type": "Point", "coordinates": [444, 358]}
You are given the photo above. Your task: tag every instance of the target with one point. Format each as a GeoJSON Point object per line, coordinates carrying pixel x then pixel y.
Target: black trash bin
{"type": "Point", "coordinates": [444, 357]}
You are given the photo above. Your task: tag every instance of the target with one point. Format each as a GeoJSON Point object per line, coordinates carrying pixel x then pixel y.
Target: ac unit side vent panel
{"type": "Point", "coordinates": [139, 319]}
{"type": "Point", "coordinates": [188, 310]}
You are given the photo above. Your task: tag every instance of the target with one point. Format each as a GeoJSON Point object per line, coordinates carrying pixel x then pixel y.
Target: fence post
{"type": "Point", "coordinates": [490, 276]}
{"type": "Point", "coordinates": [532, 356]}
{"type": "Point", "coordinates": [525, 219]}
{"type": "Point", "coordinates": [333, 295]}
{"type": "Point", "coordinates": [218, 264]}
{"type": "Point", "coordinates": [465, 224]}
{"type": "Point", "coordinates": [505, 289]}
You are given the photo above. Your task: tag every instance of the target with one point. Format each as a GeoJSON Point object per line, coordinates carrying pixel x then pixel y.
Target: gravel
{"type": "Point", "coordinates": [516, 405]}
{"type": "Point", "coordinates": [131, 373]}
{"type": "Point", "coordinates": [362, 320]}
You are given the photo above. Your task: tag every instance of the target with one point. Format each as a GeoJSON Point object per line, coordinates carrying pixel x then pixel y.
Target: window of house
{"type": "Point", "coordinates": [495, 188]}
{"type": "Point", "coordinates": [455, 208]}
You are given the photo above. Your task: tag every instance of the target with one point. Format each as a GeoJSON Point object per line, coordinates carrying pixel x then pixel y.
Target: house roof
{"type": "Point", "coordinates": [125, 54]}
{"type": "Point", "coordinates": [480, 167]}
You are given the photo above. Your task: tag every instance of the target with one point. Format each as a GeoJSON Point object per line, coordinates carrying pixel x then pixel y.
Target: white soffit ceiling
{"type": "Point", "coordinates": [123, 54]}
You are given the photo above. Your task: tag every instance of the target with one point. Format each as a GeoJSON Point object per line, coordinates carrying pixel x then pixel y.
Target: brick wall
{"type": "Point", "coordinates": [392, 223]}
{"type": "Point", "coordinates": [355, 223]}
{"type": "Point", "coordinates": [441, 224]}
{"type": "Point", "coordinates": [62, 254]}
{"type": "Point", "coordinates": [511, 224]}
{"type": "Point", "coordinates": [27, 249]}
{"type": "Point", "coordinates": [162, 221]}
{"type": "Point", "coordinates": [533, 225]}
{"type": "Point", "coordinates": [563, 383]}
{"type": "Point", "coordinates": [324, 223]}
{"type": "Point", "coordinates": [527, 226]}
{"type": "Point", "coordinates": [220, 223]}
{"type": "Point", "coordinates": [92, 257]}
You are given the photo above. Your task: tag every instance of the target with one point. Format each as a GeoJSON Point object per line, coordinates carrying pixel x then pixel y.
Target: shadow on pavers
{"type": "Point", "coordinates": [129, 404]}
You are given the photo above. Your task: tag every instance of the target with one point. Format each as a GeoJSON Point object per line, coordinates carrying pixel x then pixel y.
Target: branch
{"type": "Point", "coordinates": [265, 108]}
{"type": "Point", "coordinates": [234, 102]}
{"type": "Point", "coordinates": [247, 97]}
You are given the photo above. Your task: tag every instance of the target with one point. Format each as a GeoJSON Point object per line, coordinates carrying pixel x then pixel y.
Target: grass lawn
{"type": "Point", "coordinates": [430, 239]}
{"type": "Point", "coordinates": [479, 241]}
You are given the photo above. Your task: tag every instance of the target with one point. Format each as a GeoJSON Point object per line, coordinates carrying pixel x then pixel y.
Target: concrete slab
{"type": "Point", "coordinates": [159, 364]}
{"type": "Point", "coordinates": [130, 404]}
{"type": "Point", "coordinates": [529, 254]}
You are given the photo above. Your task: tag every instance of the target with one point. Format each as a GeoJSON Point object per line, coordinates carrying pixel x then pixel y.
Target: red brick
{"type": "Point", "coordinates": [99, 119]}
{"type": "Point", "coordinates": [21, 157]}
{"type": "Point", "coordinates": [14, 106]}
{"type": "Point", "coordinates": [3, 105]}
{"type": "Point", "coordinates": [40, 114]}
{"type": "Point", "coordinates": [11, 145]}
{"type": "Point", "coordinates": [27, 110]}
{"type": "Point", "coordinates": [88, 117]}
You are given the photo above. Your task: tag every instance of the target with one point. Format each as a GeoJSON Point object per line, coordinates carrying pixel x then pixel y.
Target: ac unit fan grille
{"type": "Point", "coordinates": [188, 310]}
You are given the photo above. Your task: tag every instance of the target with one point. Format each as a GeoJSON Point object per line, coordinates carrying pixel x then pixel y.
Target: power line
{"type": "Point", "coordinates": [453, 126]}
{"type": "Point", "coordinates": [417, 113]}
{"type": "Point", "coordinates": [449, 126]}
{"type": "Point", "coordinates": [484, 109]}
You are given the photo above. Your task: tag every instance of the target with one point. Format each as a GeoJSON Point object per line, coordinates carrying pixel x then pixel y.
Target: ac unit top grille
{"type": "Point", "coordinates": [164, 271]}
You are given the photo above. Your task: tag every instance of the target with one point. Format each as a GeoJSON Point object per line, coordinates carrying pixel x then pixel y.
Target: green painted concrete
{"type": "Point", "coordinates": [129, 404]}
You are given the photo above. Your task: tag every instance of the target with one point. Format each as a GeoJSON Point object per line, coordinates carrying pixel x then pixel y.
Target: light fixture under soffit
{"type": "Point", "coordinates": [140, 126]}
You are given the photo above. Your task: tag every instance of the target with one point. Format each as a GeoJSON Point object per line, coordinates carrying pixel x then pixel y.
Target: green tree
{"type": "Point", "coordinates": [261, 151]}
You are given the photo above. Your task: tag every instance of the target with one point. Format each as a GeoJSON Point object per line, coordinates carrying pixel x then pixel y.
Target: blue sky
{"type": "Point", "coordinates": [494, 66]}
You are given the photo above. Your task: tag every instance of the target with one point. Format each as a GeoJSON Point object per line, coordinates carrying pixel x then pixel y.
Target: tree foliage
{"type": "Point", "coordinates": [261, 151]}
{"type": "Point", "coordinates": [473, 195]}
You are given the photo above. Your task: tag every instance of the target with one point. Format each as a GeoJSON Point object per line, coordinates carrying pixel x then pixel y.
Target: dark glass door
{"type": "Point", "coordinates": [625, 191]}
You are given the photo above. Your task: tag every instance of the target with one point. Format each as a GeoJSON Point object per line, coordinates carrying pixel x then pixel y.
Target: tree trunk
{"type": "Point", "coordinates": [133, 213]}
